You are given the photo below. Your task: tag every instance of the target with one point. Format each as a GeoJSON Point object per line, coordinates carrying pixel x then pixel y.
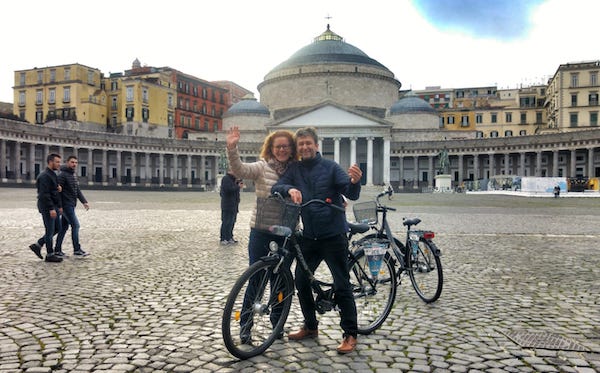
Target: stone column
{"type": "Point", "coordinates": [31, 163]}
{"type": "Point", "coordinates": [161, 169]}
{"type": "Point", "coordinates": [590, 171]}
{"type": "Point", "coordinates": [119, 173]}
{"type": "Point", "coordinates": [175, 180]}
{"type": "Point", "coordinates": [492, 159]}
{"type": "Point", "coordinates": [573, 170]}
{"type": "Point", "coordinates": [507, 164]}
{"type": "Point", "coordinates": [3, 160]}
{"type": "Point", "coordinates": [17, 162]}
{"type": "Point", "coordinates": [555, 163]}
{"type": "Point", "coordinates": [352, 150]}
{"type": "Point", "coordinates": [369, 161]}
{"type": "Point", "coordinates": [430, 171]}
{"type": "Point", "coordinates": [320, 143]}
{"type": "Point", "coordinates": [417, 176]}
{"type": "Point", "coordinates": [188, 170]}
{"type": "Point", "coordinates": [105, 171]}
{"type": "Point", "coordinates": [401, 172]}
{"type": "Point", "coordinates": [522, 164]}
{"type": "Point", "coordinates": [90, 166]}
{"type": "Point", "coordinates": [538, 163]}
{"type": "Point", "coordinates": [336, 150]}
{"type": "Point", "coordinates": [148, 175]}
{"type": "Point", "coordinates": [386, 161]}
{"type": "Point", "coordinates": [134, 166]}
{"type": "Point", "coordinates": [475, 167]}
{"type": "Point", "coordinates": [461, 168]}
{"type": "Point", "coordinates": [202, 175]}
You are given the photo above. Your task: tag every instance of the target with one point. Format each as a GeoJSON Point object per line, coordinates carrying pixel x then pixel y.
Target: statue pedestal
{"type": "Point", "coordinates": [443, 183]}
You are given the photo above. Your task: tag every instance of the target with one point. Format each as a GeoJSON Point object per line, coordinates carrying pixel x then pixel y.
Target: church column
{"type": "Point", "coordinates": [31, 162]}
{"type": "Point", "coordinates": [175, 181]}
{"type": "Point", "coordinates": [416, 170]}
{"type": "Point", "coordinates": [386, 161]}
{"type": "Point", "coordinates": [161, 169]}
{"type": "Point", "coordinates": [369, 161]}
{"type": "Point", "coordinates": [461, 168]}
{"type": "Point", "coordinates": [148, 175]}
{"type": "Point", "coordinates": [336, 150]}
{"type": "Point", "coordinates": [202, 175]}
{"type": "Point", "coordinates": [188, 170]}
{"type": "Point", "coordinates": [352, 150]}
{"type": "Point", "coordinates": [90, 166]}
{"type": "Point", "coordinates": [590, 163]}
{"type": "Point", "coordinates": [492, 170]}
{"type": "Point", "coordinates": [507, 164]}
{"type": "Point", "coordinates": [3, 160]}
{"type": "Point", "coordinates": [430, 171]}
{"type": "Point", "coordinates": [105, 172]}
{"type": "Point", "coordinates": [119, 173]}
{"type": "Point", "coordinates": [522, 164]}
{"type": "Point", "coordinates": [320, 143]}
{"type": "Point", "coordinates": [134, 166]}
{"type": "Point", "coordinates": [17, 162]}
{"type": "Point", "coordinates": [555, 163]}
{"type": "Point", "coordinates": [538, 163]}
{"type": "Point", "coordinates": [573, 170]}
{"type": "Point", "coordinates": [401, 172]}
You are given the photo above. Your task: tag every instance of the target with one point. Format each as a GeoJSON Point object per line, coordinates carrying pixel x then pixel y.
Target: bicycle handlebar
{"type": "Point", "coordinates": [388, 192]}
{"type": "Point", "coordinates": [335, 207]}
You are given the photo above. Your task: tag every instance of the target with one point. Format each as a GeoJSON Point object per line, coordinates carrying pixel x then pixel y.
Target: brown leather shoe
{"type": "Point", "coordinates": [303, 333]}
{"type": "Point", "coordinates": [348, 345]}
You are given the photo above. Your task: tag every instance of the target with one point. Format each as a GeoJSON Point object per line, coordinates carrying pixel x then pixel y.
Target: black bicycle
{"type": "Point", "coordinates": [259, 302]}
{"type": "Point", "coordinates": [419, 257]}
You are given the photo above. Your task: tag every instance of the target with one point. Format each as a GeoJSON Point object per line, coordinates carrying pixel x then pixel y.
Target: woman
{"type": "Point", "coordinates": [278, 150]}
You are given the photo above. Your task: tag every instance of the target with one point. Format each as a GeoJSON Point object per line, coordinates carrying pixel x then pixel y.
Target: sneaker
{"type": "Point", "coordinates": [232, 241]}
{"type": "Point", "coordinates": [37, 250]}
{"type": "Point", "coordinates": [53, 258]}
{"type": "Point", "coordinates": [61, 254]}
{"type": "Point", "coordinates": [224, 242]}
{"type": "Point", "coordinates": [80, 253]}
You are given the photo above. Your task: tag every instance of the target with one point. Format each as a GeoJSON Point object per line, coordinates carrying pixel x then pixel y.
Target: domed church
{"type": "Point", "coordinates": [352, 99]}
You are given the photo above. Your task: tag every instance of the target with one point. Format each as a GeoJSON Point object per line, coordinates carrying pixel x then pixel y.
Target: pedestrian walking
{"type": "Point", "coordinates": [324, 233]}
{"type": "Point", "coordinates": [49, 205]}
{"type": "Point", "coordinates": [230, 201]}
{"type": "Point", "coordinates": [67, 179]}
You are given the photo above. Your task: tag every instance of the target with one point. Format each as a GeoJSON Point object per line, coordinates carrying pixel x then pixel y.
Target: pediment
{"type": "Point", "coordinates": [330, 116]}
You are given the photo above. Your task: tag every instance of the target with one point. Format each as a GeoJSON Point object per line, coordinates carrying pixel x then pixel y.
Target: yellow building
{"type": "Point", "coordinates": [68, 92]}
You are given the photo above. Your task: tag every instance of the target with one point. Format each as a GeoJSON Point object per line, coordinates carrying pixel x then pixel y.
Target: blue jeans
{"type": "Point", "coordinates": [52, 227]}
{"type": "Point", "coordinates": [228, 218]}
{"type": "Point", "coordinates": [68, 218]}
{"type": "Point", "coordinates": [258, 244]}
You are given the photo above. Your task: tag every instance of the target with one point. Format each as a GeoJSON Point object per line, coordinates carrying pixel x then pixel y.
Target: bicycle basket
{"type": "Point", "coordinates": [275, 210]}
{"type": "Point", "coordinates": [365, 212]}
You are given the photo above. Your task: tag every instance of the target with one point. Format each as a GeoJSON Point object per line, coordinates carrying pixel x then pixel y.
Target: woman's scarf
{"type": "Point", "coordinates": [279, 167]}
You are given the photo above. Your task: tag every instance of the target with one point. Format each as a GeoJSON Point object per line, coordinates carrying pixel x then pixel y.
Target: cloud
{"type": "Point", "coordinates": [497, 19]}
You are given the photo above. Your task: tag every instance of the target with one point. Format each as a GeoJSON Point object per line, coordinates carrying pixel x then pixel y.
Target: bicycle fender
{"type": "Point", "coordinates": [436, 251]}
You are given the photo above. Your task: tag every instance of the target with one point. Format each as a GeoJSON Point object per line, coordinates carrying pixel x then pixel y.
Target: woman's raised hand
{"type": "Point", "coordinates": [233, 137]}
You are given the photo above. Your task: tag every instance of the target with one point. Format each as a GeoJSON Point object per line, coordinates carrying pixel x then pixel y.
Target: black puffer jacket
{"type": "Point", "coordinates": [47, 191]}
{"type": "Point", "coordinates": [70, 187]}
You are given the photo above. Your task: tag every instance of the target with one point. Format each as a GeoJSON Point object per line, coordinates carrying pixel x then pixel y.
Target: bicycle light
{"type": "Point", "coordinates": [428, 235]}
{"type": "Point", "coordinates": [273, 246]}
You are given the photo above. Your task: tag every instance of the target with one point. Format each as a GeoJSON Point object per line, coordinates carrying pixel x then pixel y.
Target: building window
{"type": "Point", "coordinates": [478, 118]}
{"type": "Point", "coordinates": [203, 108]}
{"type": "Point", "coordinates": [594, 118]}
{"type": "Point", "coordinates": [129, 94]}
{"type": "Point", "coordinates": [464, 121]}
{"type": "Point", "coordinates": [574, 99]}
{"type": "Point", "coordinates": [593, 99]}
{"type": "Point", "coordinates": [114, 85]}
{"type": "Point", "coordinates": [197, 123]}
{"type": "Point", "coordinates": [479, 134]}
{"type": "Point", "coordinates": [206, 123]}
{"type": "Point", "coordinates": [21, 98]}
{"type": "Point", "coordinates": [145, 95]}
{"type": "Point", "coordinates": [508, 117]}
{"type": "Point", "coordinates": [451, 119]}
{"type": "Point", "coordinates": [39, 97]}
{"type": "Point", "coordinates": [22, 79]}
{"type": "Point", "coordinates": [594, 79]}
{"type": "Point", "coordinates": [52, 75]}
{"type": "Point", "coordinates": [573, 119]}
{"type": "Point", "coordinates": [494, 118]}
{"type": "Point", "coordinates": [113, 100]}
{"type": "Point", "coordinates": [39, 117]}
{"type": "Point", "coordinates": [66, 94]}
{"type": "Point", "coordinates": [52, 95]}
{"type": "Point", "coordinates": [494, 134]}
{"type": "Point", "coordinates": [203, 92]}
{"type": "Point", "coordinates": [538, 118]}
{"type": "Point", "coordinates": [67, 73]}
{"type": "Point", "coordinates": [91, 77]}
{"type": "Point", "coordinates": [40, 77]}
{"type": "Point", "coordinates": [523, 118]}
{"type": "Point", "coordinates": [129, 114]}
{"type": "Point", "coordinates": [522, 132]}
{"type": "Point", "coordinates": [441, 122]}
{"type": "Point", "coordinates": [145, 115]}
{"type": "Point", "coordinates": [170, 100]}
{"type": "Point", "coordinates": [508, 133]}
{"type": "Point", "coordinates": [574, 80]}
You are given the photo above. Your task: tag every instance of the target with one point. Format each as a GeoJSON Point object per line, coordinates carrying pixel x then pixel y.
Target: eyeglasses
{"type": "Point", "coordinates": [281, 147]}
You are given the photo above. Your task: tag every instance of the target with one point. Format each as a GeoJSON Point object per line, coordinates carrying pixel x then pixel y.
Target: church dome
{"type": "Point", "coordinates": [327, 48]}
{"type": "Point", "coordinates": [411, 104]}
{"type": "Point", "coordinates": [248, 105]}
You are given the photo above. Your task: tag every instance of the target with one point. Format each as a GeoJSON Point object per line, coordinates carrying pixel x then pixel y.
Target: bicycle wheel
{"type": "Point", "coordinates": [425, 271]}
{"type": "Point", "coordinates": [374, 297]}
{"type": "Point", "coordinates": [256, 309]}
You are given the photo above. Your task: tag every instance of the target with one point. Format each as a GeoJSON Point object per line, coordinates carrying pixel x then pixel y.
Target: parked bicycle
{"type": "Point", "coordinates": [259, 302]}
{"type": "Point", "coordinates": [418, 257]}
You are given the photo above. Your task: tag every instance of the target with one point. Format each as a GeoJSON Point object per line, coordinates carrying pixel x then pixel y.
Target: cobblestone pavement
{"type": "Point", "coordinates": [520, 291]}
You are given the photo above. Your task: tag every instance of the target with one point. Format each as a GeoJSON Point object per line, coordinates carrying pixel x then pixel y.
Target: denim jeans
{"type": "Point", "coordinates": [228, 218]}
{"type": "Point", "coordinates": [52, 227]}
{"type": "Point", "coordinates": [68, 218]}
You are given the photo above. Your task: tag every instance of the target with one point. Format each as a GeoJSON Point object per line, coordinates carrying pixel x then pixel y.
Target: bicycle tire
{"type": "Point", "coordinates": [425, 271]}
{"type": "Point", "coordinates": [374, 299]}
{"type": "Point", "coordinates": [254, 300]}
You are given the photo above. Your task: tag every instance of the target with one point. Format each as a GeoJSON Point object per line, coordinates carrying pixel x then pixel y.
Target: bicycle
{"type": "Point", "coordinates": [419, 257]}
{"type": "Point", "coordinates": [259, 303]}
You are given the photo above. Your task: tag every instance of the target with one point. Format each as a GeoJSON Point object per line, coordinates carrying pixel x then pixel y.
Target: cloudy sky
{"type": "Point", "coordinates": [447, 43]}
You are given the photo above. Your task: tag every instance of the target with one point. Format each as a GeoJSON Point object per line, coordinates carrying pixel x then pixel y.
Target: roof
{"type": "Point", "coordinates": [411, 104]}
{"type": "Point", "coordinates": [248, 105]}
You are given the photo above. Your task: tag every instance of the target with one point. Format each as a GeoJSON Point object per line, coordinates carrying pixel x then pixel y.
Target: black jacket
{"type": "Point", "coordinates": [230, 193]}
{"type": "Point", "coordinates": [70, 187]}
{"type": "Point", "coordinates": [47, 191]}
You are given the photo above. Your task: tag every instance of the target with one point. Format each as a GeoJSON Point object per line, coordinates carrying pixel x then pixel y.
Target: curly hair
{"type": "Point", "coordinates": [266, 152]}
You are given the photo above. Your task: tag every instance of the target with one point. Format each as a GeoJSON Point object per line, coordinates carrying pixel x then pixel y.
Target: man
{"type": "Point", "coordinates": [324, 235]}
{"type": "Point", "coordinates": [230, 201]}
{"type": "Point", "coordinates": [49, 205]}
{"type": "Point", "coordinates": [71, 192]}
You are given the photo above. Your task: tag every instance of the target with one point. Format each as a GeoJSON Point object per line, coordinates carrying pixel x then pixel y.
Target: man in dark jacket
{"type": "Point", "coordinates": [70, 194]}
{"type": "Point", "coordinates": [230, 201]}
{"type": "Point", "coordinates": [324, 234]}
{"type": "Point", "coordinates": [50, 206]}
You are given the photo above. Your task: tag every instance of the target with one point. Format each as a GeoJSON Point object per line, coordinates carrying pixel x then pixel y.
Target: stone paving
{"type": "Point", "coordinates": [150, 297]}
